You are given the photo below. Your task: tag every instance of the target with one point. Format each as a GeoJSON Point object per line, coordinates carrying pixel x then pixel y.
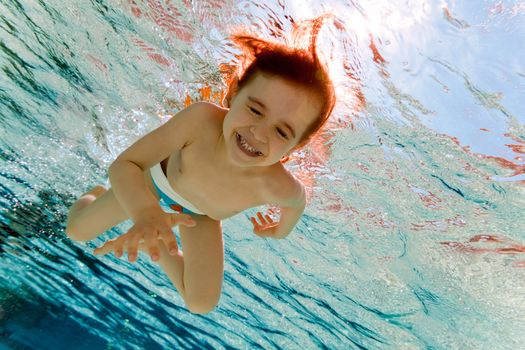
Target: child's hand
{"type": "Point", "coordinates": [149, 231]}
{"type": "Point", "coordinates": [266, 227]}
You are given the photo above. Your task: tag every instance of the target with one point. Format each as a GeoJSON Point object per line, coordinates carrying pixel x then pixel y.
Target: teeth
{"type": "Point", "coordinates": [247, 147]}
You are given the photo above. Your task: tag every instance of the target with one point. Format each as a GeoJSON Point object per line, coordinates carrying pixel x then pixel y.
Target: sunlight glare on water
{"type": "Point", "coordinates": [414, 233]}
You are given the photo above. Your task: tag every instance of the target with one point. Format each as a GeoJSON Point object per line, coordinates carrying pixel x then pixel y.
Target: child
{"type": "Point", "coordinates": [208, 163]}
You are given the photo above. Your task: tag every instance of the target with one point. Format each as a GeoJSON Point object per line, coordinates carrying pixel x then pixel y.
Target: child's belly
{"type": "Point", "coordinates": [217, 195]}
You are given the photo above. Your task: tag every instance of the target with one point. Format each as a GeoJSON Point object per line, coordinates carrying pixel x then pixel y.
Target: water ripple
{"type": "Point", "coordinates": [409, 241]}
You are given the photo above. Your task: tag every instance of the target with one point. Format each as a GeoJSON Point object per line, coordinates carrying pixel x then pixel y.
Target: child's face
{"type": "Point", "coordinates": [266, 120]}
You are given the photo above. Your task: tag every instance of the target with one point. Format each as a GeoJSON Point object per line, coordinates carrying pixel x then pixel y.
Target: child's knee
{"type": "Point", "coordinates": [78, 229]}
{"type": "Point", "coordinates": [201, 305]}
{"type": "Point", "coordinates": [75, 232]}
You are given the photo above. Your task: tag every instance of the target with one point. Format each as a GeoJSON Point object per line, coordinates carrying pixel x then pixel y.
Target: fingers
{"type": "Point", "coordinates": [115, 245]}
{"type": "Point", "coordinates": [118, 247]}
{"type": "Point", "coordinates": [169, 241]}
{"type": "Point", "coordinates": [265, 220]}
{"type": "Point", "coordinates": [182, 219]}
{"type": "Point", "coordinates": [128, 242]}
{"type": "Point", "coordinates": [256, 225]}
{"type": "Point", "coordinates": [133, 247]}
{"type": "Point", "coordinates": [150, 234]}
{"type": "Point", "coordinates": [105, 248]}
{"type": "Point", "coordinates": [263, 225]}
{"type": "Point", "coordinates": [152, 243]}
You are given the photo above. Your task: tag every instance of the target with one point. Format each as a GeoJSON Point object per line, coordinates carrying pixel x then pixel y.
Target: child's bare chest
{"type": "Point", "coordinates": [213, 189]}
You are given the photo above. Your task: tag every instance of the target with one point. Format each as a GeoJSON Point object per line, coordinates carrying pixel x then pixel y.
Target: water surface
{"type": "Point", "coordinates": [413, 237]}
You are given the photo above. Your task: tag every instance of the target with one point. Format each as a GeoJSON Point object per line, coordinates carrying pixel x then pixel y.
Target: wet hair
{"type": "Point", "coordinates": [294, 64]}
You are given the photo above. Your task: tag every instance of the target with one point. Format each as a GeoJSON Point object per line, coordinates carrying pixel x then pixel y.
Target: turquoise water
{"type": "Point", "coordinates": [413, 238]}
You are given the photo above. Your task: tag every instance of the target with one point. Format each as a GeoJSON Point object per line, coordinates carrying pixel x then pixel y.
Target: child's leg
{"type": "Point", "coordinates": [92, 214]}
{"type": "Point", "coordinates": [198, 273]}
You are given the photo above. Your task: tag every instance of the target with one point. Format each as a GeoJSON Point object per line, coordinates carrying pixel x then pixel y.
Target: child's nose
{"type": "Point", "coordinates": [259, 132]}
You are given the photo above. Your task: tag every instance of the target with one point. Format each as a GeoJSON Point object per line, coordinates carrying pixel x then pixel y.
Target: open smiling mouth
{"type": "Point", "coordinates": [246, 148]}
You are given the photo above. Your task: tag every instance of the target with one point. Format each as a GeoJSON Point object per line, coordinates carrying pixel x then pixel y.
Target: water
{"type": "Point", "coordinates": [413, 235]}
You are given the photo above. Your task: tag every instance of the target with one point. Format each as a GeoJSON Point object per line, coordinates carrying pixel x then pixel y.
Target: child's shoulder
{"type": "Point", "coordinates": [207, 112]}
{"type": "Point", "coordinates": [199, 117]}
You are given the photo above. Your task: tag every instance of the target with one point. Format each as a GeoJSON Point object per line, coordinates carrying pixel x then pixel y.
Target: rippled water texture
{"type": "Point", "coordinates": [413, 237]}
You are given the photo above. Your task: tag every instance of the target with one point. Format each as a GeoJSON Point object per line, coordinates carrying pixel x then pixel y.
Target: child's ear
{"type": "Point", "coordinates": [284, 159]}
{"type": "Point", "coordinates": [287, 156]}
{"type": "Point", "coordinates": [225, 102]}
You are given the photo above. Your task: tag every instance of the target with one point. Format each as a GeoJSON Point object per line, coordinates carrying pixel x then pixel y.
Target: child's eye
{"type": "Point", "coordinates": [282, 133]}
{"type": "Point", "coordinates": [254, 111]}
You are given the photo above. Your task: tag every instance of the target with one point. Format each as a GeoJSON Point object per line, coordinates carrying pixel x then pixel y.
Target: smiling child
{"type": "Point", "coordinates": [208, 163]}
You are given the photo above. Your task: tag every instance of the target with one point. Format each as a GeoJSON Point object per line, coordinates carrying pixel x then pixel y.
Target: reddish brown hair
{"type": "Point", "coordinates": [295, 64]}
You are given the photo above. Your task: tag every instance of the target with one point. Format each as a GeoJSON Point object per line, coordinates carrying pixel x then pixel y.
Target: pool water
{"type": "Point", "coordinates": [414, 233]}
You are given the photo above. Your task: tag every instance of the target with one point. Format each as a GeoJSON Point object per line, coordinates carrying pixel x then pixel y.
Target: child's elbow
{"type": "Point", "coordinates": [281, 233]}
{"type": "Point", "coordinates": [281, 236]}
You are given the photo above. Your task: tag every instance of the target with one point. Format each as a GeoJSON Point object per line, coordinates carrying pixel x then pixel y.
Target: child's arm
{"type": "Point", "coordinates": [292, 207]}
{"type": "Point", "coordinates": [289, 218]}
{"type": "Point", "coordinates": [126, 175]}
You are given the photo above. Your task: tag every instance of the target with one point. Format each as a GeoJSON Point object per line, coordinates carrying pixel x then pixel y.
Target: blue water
{"type": "Point", "coordinates": [386, 255]}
